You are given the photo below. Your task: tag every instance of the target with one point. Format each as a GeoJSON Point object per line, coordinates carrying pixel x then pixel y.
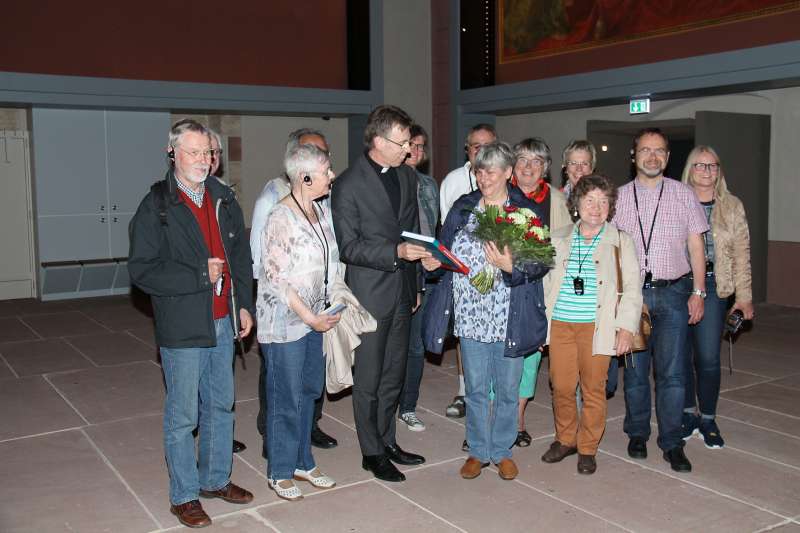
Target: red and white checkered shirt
{"type": "Point", "coordinates": [679, 214]}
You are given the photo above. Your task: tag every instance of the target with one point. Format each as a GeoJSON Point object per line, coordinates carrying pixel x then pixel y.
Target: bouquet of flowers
{"type": "Point", "coordinates": [519, 229]}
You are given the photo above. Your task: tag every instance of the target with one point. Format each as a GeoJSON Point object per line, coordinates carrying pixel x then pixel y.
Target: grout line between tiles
{"type": "Point", "coordinates": [763, 457]}
{"type": "Point", "coordinates": [252, 467]}
{"type": "Point", "coordinates": [415, 504]}
{"type": "Point", "coordinates": [773, 411]}
{"type": "Point", "coordinates": [137, 339]}
{"type": "Point", "coordinates": [30, 328]}
{"type": "Point", "coordinates": [740, 387]}
{"type": "Point", "coordinates": [565, 502]}
{"type": "Point", "coordinates": [789, 387]}
{"type": "Point", "coordinates": [97, 322]}
{"type": "Point", "coordinates": [43, 434]}
{"type": "Point", "coordinates": [258, 517]}
{"type": "Point", "coordinates": [148, 343]}
{"type": "Point", "coordinates": [63, 397]}
{"type": "Point", "coordinates": [747, 372]}
{"type": "Point", "coordinates": [66, 340]}
{"type": "Point", "coordinates": [3, 358]}
{"type": "Point", "coordinates": [773, 526]}
{"type": "Point", "coordinates": [121, 478]}
{"type": "Point", "coordinates": [692, 483]}
{"type": "Point", "coordinates": [342, 422]}
{"type": "Point", "coordinates": [762, 428]}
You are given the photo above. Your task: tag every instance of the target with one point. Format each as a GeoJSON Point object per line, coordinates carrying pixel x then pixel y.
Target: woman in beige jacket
{"type": "Point", "coordinates": [587, 324]}
{"type": "Point", "coordinates": [727, 248]}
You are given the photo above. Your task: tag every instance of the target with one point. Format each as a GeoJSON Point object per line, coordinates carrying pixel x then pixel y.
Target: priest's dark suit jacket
{"type": "Point", "coordinates": [368, 232]}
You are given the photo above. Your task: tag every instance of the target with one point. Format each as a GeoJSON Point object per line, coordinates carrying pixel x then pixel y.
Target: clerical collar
{"type": "Point", "coordinates": [379, 169]}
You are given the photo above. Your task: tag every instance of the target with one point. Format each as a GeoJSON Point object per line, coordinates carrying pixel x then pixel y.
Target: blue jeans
{"type": "Point", "coordinates": [415, 363]}
{"type": "Point", "coordinates": [667, 351]}
{"type": "Point", "coordinates": [702, 354]}
{"type": "Point", "coordinates": [485, 366]}
{"type": "Point", "coordinates": [295, 377]}
{"type": "Point", "coordinates": [199, 385]}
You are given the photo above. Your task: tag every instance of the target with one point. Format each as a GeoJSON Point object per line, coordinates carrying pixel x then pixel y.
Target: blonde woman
{"type": "Point", "coordinates": [727, 250]}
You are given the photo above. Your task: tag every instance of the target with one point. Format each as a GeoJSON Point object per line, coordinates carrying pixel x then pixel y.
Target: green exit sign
{"type": "Point", "coordinates": [639, 106]}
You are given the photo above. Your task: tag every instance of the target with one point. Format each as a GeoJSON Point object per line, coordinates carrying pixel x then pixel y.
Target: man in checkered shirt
{"type": "Point", "coordinates": [665, 220]}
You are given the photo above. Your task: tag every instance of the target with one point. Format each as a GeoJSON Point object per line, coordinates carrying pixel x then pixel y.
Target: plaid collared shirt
{"type": "Point", "coordinates": [196, 197]}
{"type": "Point", "coordinates": [679, 214]}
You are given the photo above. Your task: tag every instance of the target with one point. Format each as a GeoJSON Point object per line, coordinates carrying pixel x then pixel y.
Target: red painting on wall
{"type": "Point", "coordinates": [531, 29]}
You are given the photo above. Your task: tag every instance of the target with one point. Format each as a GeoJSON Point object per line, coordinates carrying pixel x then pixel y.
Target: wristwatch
{"type": "Point", "coordinates": [701, 293]}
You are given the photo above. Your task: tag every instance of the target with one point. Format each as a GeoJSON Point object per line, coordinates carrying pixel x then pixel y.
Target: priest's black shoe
{"type": "Point", "coordinates": [397, 455]}
{"type": "Point", "coordinates": [677, 459]}
{"type": "Point", "coordinates": [382, 468]}
{"type": "Point", "coordinates": [637, 448]}
{"type": "Point", "coordinates": [320, 439]}
{"type": "Point", "coordinates": [238, 446]}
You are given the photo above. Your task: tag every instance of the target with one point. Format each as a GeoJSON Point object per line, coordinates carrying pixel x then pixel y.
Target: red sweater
{"type": "Point", "coordinates": [207, 220]}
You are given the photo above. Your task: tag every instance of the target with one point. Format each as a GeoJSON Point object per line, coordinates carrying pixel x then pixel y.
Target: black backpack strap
{"type": "Point", "coordinates": [159, 190]}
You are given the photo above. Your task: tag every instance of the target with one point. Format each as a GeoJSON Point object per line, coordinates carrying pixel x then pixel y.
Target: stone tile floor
{"type": "Point", "coordinates": [80, 440]}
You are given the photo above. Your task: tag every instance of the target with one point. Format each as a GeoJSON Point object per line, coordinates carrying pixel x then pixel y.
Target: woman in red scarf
{"type": "Point", "coordinates": [531, 177]}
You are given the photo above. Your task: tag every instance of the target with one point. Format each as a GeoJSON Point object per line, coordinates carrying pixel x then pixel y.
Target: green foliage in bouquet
{"type": "Point", "coordinates": [519, 229]}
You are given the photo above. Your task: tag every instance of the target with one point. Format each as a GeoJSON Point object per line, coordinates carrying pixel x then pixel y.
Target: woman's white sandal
{"type": "Point", "coordinates": [291, 493]}
{"type": "Point", "coordinates": [315, 477]}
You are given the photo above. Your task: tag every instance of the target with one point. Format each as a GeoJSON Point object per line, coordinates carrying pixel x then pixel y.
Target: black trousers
{"type": "Point", "coordinates": [378, 376]}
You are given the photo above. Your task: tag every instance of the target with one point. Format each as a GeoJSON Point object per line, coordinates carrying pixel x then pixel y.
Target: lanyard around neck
{"type": "Point", "coordinates": [646, 244]}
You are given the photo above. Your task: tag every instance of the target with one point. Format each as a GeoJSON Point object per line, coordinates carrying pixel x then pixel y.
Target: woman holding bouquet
{"type": "Point", "coordinates": [497, 324]}
{"type": "Point", "coordinates": [587, 322]}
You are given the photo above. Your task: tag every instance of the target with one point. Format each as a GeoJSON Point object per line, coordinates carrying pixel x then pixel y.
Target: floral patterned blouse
{"type": "Point", "coordinates": [292, 256]}
{"type": "Point", "coordinates": [480, 317]}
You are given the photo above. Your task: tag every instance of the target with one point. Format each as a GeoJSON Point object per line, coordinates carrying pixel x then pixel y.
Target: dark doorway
{"type": "Point", "coordinates": [613, 140]}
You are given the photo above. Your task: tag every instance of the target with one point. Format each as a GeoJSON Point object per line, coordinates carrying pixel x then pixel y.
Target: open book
{"type": "Point", "coordinates": [438, 250]}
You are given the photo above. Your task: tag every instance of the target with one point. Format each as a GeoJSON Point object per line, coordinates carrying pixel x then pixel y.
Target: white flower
{"type": "Point", "coordinates": [527, 213]}
{"type": "Point", "coordinates": [518, 218]}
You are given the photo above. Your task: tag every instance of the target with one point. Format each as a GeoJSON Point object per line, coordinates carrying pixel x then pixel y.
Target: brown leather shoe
{"type": "Point", "coordinates": [508, 469]}
{"type": "Point", "coordinates": [586, 464]}
{"type": "Point", "coordinates": [230, 493]}
{"type": "Point", "coordinates": [557, 452]}
{"type": "Point", "coordinates": [472, 468]}
{"type": "Point", "coordinates": [191, 514]}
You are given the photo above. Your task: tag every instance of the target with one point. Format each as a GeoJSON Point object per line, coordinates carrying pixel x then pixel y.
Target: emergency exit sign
{"type": "Point", "coordinates": [639, 106]}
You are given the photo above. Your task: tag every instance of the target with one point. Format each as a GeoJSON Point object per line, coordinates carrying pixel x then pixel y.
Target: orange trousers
{"type": "Point", "coordinates": [571, 363]}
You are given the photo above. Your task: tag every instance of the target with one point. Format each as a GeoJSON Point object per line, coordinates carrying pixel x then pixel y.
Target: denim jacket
{"type": "Point", "coordinates": [526, 331]}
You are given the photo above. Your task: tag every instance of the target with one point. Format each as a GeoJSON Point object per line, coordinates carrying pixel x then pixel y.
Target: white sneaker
{"type": "Point", "coordinates": [411, 420]}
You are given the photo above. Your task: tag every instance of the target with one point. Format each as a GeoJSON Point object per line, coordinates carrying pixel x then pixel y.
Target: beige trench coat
{"type": "Point", "coordinates": [607, 321]}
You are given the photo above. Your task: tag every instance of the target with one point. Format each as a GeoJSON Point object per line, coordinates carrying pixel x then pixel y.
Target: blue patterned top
{"type": "Point", "coordinates": [480, 317]}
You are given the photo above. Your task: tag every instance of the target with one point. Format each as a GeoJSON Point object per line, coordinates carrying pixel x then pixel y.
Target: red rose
{"type": "Point", "coordinates": [510, 208]}
{"type": "Point", "coordinates": [536, 222]}
{"type": "Point", "coordinates": [509, 220]}
{"type": "Point", "coordinates": [499, 220]}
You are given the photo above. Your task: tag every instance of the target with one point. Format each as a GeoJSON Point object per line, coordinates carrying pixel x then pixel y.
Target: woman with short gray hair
{"type": "Point", "coordinates": [299, 258]}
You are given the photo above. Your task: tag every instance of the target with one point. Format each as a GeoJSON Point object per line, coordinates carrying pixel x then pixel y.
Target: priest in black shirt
{"type": "Point", "coordinates": [373, 202]}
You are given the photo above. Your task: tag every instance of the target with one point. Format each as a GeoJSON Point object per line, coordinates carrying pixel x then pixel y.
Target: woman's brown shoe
{"type": "Point", "coordinates": [507, 469]}
{"type": "Point", "coordinates": [586, 464]}
{"type": "Point", "coordinates": [472, 468]}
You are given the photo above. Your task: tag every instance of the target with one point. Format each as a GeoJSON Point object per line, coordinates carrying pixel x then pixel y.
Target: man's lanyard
{"type": "Point", "coordinates": [646, 244]}
{"type": "Point", "coordinates": [469, 179]}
